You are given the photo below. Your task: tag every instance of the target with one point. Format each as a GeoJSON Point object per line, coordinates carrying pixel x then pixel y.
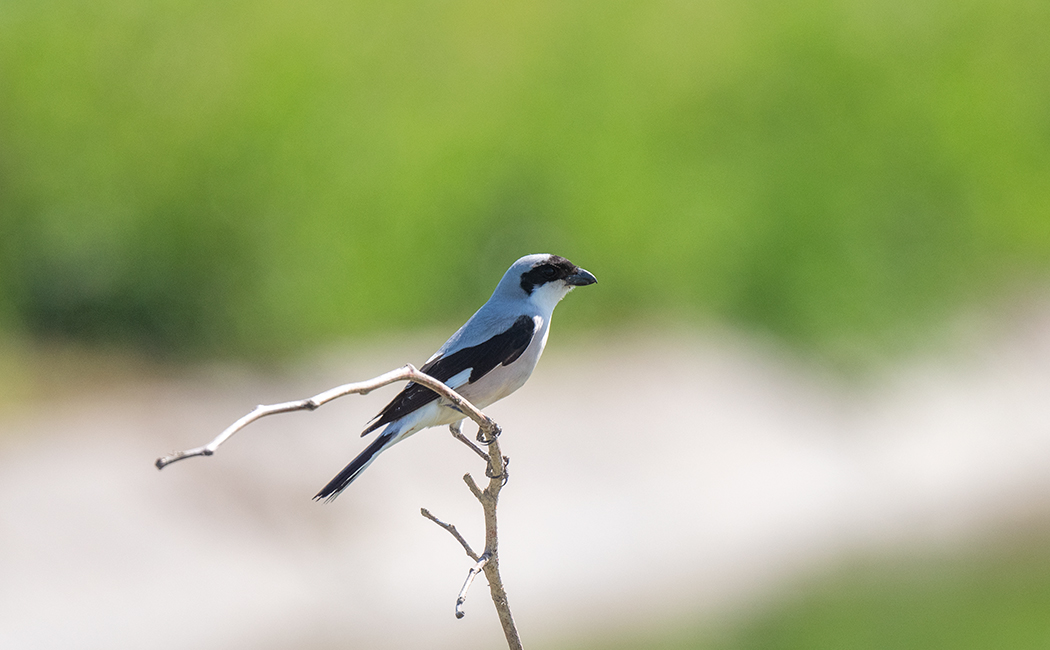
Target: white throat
{"type": "Point", "coordinates": [547, 296]}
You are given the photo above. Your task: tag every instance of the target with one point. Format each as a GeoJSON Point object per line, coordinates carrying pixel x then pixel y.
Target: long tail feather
{"type": "Point", "coordinates": [356, 466]}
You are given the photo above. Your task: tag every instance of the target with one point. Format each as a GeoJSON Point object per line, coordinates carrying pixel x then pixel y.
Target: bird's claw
{"type": "Point", "coordinates": [496, 431]}
{"type": "Point", "coordinates": [503, 475]}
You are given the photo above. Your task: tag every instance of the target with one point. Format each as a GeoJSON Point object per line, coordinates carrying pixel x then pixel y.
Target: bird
{"type": "Point", "coordinates": [492, 355]}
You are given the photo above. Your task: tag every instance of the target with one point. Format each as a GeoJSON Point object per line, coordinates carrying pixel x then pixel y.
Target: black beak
{"type": "Point", "coordinates": [580, 278]}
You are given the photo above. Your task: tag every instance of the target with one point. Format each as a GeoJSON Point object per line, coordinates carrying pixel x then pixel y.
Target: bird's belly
{"type": "Point", "coordinates": [497, 384]}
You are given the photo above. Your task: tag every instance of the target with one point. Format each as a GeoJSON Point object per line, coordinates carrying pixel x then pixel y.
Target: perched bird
{"type": "Point", "coordinates": [488, 358]}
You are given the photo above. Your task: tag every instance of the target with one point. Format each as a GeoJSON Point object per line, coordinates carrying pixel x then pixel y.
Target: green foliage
{"type": "Point", "coordinates": [986, 601]}
{"type": "Point", "coordinates": [999, 602]}
{"type": "Point", "coordinates": [246, 178]}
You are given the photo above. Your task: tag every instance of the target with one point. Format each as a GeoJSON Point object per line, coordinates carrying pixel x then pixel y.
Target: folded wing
{"type": "Point", "coordinates": [478, 361]}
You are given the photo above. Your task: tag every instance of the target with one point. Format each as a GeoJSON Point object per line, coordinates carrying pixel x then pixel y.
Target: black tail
{"type": "Point", "coordinates": [356, 466]}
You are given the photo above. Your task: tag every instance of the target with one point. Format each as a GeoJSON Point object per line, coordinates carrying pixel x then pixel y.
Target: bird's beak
{"type": "Point", "coordinates": [580, 278]}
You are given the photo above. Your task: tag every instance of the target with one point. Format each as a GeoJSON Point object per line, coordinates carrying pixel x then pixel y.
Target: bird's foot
{"type": "Point", "coordinates": [503, 475]}
{"type": "Point", "coordinates": [496, 431]}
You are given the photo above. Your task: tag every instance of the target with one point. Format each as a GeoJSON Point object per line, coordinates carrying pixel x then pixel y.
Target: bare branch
{"type": "Point", "coordinates": [495, 470]}
{"type": "Point", "coordinates": [473, 573]}
{"type": "Point", "coordinates": [452, 531]}
{"type": "Point", "coordinates": [407, 372]}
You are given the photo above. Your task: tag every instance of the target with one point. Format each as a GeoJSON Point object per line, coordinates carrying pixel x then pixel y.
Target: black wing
{"type": "Point", "coordinates": [503, 348]}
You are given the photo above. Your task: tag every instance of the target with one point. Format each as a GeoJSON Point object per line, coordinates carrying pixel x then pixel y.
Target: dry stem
{"type": "Point", "coordinates": [496, 470]}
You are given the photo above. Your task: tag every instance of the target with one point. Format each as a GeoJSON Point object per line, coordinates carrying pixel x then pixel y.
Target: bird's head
{"type": "Point", "coordinates": [544, 279]}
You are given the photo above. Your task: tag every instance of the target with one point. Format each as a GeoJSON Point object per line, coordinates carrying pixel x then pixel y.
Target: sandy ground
{"type": "Point", "coordinates": [726, 472]}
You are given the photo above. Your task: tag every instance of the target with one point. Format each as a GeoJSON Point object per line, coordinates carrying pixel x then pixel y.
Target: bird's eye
{"type": "Point", "coordinates": [548, 272]}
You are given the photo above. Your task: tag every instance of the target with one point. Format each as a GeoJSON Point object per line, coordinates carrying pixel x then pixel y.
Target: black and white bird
{"type": "Point", "coordinates": [490, 357]}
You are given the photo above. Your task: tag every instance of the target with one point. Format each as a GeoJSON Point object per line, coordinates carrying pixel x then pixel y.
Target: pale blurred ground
{"type": "Point", "coordinates": [654, 477]}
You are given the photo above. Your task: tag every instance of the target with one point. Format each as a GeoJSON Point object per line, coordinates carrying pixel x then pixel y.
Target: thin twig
{"type": "Point", "coordinates": [407, 372]}
{"type": "Point", "coordinates": [452, 531]}
{"type": "Point", "coordinates": [473, 573]}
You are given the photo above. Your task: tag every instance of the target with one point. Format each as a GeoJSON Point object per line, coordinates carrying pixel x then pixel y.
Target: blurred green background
{"type": "Point", "coordinates": [251, 179]}
{"type": "Point", "coordinates": [994, 596]}
{"type": "Point", "coordinates": [254, 179]}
